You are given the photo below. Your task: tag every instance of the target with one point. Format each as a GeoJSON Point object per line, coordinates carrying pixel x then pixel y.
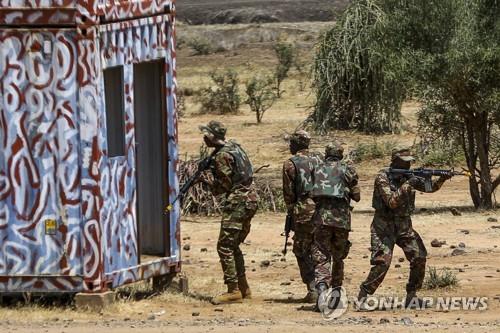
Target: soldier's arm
{"type": "Point", "coordinates": [223, 172]}
{"type": "Point", "coordinates": [353, 182]}
{"type": "Point", "coordinates": [419, 184]}
{"type": "Point", "coordinates": [289, 184]}
{"type": "Point", "coordinates": [391, 198]}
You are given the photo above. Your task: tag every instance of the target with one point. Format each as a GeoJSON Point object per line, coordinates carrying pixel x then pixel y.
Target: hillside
{"type": "Point", "coordinates": [257, 11]}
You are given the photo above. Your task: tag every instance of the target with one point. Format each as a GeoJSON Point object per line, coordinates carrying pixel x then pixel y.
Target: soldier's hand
{"type": "Point", "coordinates": [407, 187]}
{"type": "Point", "coordinates": [413, 181]}
{"type": "Point", "coordinates": [446, 177]}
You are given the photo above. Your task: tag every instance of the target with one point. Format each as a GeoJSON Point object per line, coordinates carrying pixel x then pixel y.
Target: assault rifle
{"type": "Point", "coordinates": [203, 165]}
{"type": "Point", "coordinates": [288, 228]}
{"type": "Point", "coordinates": [426, 174]}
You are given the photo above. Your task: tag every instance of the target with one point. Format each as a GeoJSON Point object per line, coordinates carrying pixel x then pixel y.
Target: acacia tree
{"type": "Point", "coordinates": [452, 49]}
{"type": "Point", "coordinates": [260, 95]}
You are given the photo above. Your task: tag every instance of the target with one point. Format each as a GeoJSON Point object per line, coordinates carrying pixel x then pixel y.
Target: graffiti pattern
{"type": "Point", "coordinates": [54, 167]}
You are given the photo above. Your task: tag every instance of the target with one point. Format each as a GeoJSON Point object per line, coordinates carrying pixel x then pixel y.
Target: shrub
{"type": "Point", "coordinates": [373, 150]}
{"type": "Point", "coordinates": [200, 46]}
{"type": "Point", "coordinates": [286, 54]}
{"type": "Point", "coordinates": [260, 95]}
{"type": "Point", "coordinates": [443, 279]}
{"type": "Point", "coordinates": [223, 97]}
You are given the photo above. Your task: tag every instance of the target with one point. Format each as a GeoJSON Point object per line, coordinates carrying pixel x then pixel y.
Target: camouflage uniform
{"type": "Point", "coordinates": [394, 203]}
{"type": "Point", "coordinates": [233, 175]}
{"type": "Point", "coordinates": [332, 216]}
{"type": "Point", "coordinates": [297, 184]}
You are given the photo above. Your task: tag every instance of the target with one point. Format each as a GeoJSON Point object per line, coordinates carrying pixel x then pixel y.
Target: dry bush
{"type": "Point", "coordinates": [199, 200]}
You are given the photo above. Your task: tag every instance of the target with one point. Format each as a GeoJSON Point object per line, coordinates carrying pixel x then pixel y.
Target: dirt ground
{"type": "Point", "coordinates": [277, 303]}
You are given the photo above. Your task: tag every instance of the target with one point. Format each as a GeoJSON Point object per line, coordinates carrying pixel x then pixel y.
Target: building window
{"type": "Point", "coordinates": [115, 114]}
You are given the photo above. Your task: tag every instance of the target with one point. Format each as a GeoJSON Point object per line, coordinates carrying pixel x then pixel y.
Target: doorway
{"type": "Point", "coordinates": [151, 158]}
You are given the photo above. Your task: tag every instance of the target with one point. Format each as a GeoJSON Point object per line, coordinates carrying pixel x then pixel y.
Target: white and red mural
{"type": "Point", "coordinates": [67, 210]}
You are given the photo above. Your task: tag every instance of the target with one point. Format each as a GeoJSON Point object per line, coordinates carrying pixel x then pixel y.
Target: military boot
{"type": "Point", "coordinates": [244, 287]}
{"type": "Point", "coordinates": [361, 306]}
{"type": "Point", "coordinates": [233, 295]}
{"type": "Point", "coordinates": [321, 288]}
{"type": "Point", "coordinates": [414, 302]}
{"type": "Point", "coordinates": [312, 294]}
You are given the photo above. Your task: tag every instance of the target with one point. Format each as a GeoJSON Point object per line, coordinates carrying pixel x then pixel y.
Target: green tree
{"type": "Point", "coordinates": [223, 97]}
{"type": "Point", "coordinates": [260, 95]}
{"type": "Point", "coordinates": [452, 52]}
{"type": "Point", "coordinates": [286, 54]}
{"type": "Point", "coordinates": [355, 83]}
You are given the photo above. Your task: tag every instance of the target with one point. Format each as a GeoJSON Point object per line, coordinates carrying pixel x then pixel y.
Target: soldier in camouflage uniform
{"type": "Point", "coordinates": [335, 184]}
{"type": "Point", "coordinates": [297, 185]}
{"type": "Point", "coordinates": [394, 203]}
{"type": "Point", "coordinates": [233, 176]}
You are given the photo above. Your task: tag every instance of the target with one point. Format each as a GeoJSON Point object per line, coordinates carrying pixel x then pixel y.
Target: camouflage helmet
{"type": "Point", "coordinates": [403, 154]}
{"type": "Point", "coordinates": [215, 130]}
{"type": "Point", "coordinates": [300, 137]}
{"type": "Point", "coordinates": [334, 149]}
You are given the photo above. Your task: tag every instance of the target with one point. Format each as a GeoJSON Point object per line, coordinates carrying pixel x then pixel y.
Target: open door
{"type": "Point", "coordinates": [151, 158]}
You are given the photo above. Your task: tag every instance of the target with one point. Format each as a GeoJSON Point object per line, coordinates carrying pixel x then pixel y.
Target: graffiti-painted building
{"type": "Point", "coordinates": [88, 144]}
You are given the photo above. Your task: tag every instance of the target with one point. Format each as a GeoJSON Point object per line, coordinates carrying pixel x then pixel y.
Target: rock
{"type": "Point", "coordinates": [151, 317]}
{"type": "Point", "coordinates": [495, 227]}
{"type": "Point", "coordinates": [461, 245]}
{"type": "Point", "coordinates": [126, 319]}
{"type": "Point", "coordinates": [498, 270]}
{"type": "Point", "coordinates": [285, 283]}
{"type": "Point", "coordinates": [436, 243]}
{"type": "Point", "coordinates": [384, 321]}
{"type": "Point", "coordinates": [283, 259]}
{"type": "Point", "coordinates": [452, 247]}
{"type": "Point", "coordinates": [195, 314]}
{"type": "Point", "coordinates": [219, 310]}
{"type": "Point", "coordinates": [397, 266]}
{"type": "Point", "coordinates": [401, 259]}
{"type": "Point", "coordinates": [461, 270]}
{"type": "Point", "coordinates": [455, 212]}
{"type": "Point", "coordinates": [186, 247]}
{"type": "Point", "coordinates": [465, 231]}
{"type": "Point", "coordinates": [365, 256]}
{"type": "Point", "coordinates": [253, 269]}
{"type": "Point", "coordinates": [160, 313]}
{"type": "Point", "coordinates": [406, 321]}
{"type": "Point", "coordinates": [265, 263]}
{"type": "Point", "coordinates": [457, 252]}
{"type": "Point", "coordinates": [492, 219]}
{"type": "Point", "coordinates": [203, 249]}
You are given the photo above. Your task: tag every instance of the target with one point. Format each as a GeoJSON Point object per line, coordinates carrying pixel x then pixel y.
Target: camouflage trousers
{"type": "Point", "coordinates": [385, 233]}
{"type": "Point", "coordinates": [331, 246]}
{"type": "Point", "coordinates": [302, 248]}
{"type": "Point", "coordinates": [235, 228]}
